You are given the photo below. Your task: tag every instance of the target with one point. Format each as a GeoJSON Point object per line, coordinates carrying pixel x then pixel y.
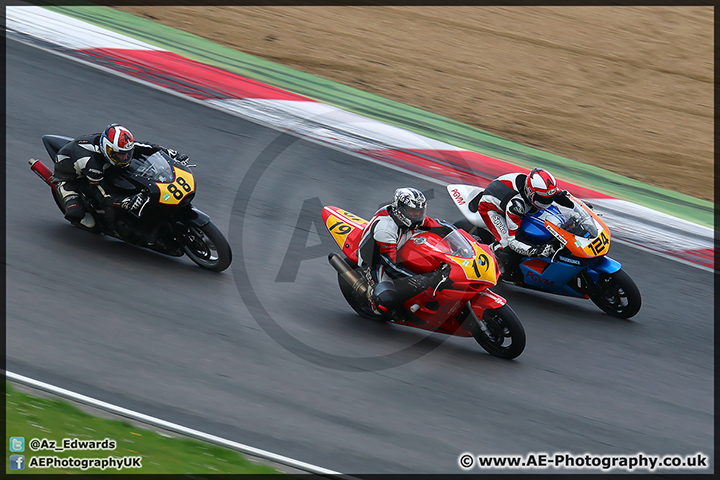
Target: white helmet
{"type": "Point", "coordinates": [117, 144]}
{"type": "Point", "coordinates": [408, 207]}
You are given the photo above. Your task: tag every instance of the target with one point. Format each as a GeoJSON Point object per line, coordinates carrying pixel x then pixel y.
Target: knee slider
{"type": "Point", "coordinates": [385, 294]}
{"type": "Point", "coordinates": [74, 209]}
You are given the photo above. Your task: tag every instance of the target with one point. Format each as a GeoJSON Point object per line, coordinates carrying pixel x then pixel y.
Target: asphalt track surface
{"type": "Point", "coordinates": [164, 337]}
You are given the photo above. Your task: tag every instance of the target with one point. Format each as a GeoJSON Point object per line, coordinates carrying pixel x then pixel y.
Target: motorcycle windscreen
{"type": "Point", "coordinates": [173, 183]}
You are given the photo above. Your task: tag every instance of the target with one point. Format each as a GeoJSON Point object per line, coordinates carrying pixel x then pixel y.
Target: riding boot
{"type": "Point", "coordinates": [509, 261]}
{"type": "Point", "coordinates": [74, 208]}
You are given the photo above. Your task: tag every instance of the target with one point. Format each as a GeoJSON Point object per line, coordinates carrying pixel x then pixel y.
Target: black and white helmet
{"type": "Point", "coordinates": [408, 207]}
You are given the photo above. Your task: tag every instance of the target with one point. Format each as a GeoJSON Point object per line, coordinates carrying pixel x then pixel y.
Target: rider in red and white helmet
{"type": "Point", "coordinates": [117, 144]}
{"type": "Point", "coordinates": [504, 202]}
{"type": "Point", "coordinates": [83, 163]}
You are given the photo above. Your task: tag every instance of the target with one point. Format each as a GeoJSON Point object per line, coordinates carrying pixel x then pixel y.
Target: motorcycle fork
{"type": "Point", "coordinates": [471, 321]}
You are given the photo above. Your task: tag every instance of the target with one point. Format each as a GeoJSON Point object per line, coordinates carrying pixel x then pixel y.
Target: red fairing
{"type": "Point", "coordinates": [419, 255]}
{"type": "Point", "coordinates": [487, 300]}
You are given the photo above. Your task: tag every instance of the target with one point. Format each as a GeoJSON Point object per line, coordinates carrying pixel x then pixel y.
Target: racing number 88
{"type": "Point", "coordinates": [176, 191]}
{"type": "Point", "coordinates": [181, 181]}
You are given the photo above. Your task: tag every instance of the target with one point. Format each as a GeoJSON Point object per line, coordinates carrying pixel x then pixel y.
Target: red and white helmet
{"type": "Point", "coordinates": [117, 144]}
{"type": "Point", "coordinates": [540, 188]}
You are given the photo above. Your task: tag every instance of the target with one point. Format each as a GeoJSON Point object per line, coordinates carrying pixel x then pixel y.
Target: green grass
{"type": "Point", "coordinates": [32, 417]}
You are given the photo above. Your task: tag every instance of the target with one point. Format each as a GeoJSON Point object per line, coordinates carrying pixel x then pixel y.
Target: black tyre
{"type": "Point", "coordinates": [359, 304]}
{"type": "Point", "coordinates": [503, 335]}
{"type": "Point", "coordinates": [616, 294]}
{"type": "Point", "coordinates": [58, 200]}
{"type": "Point", "coordinates": [208, 247]}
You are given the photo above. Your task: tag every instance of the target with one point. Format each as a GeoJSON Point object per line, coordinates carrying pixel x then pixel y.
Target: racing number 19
{"type": "Point", "coordinates": [343, 228]}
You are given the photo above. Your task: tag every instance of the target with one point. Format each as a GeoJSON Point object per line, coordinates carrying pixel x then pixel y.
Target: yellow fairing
{"type": "Point", "coordinates": [599, 245]}
{"type": "Point", "coordinates": [480, 268]}
{"type": "Point", "coordinates": [172, 193]}
{"type": "Point", "coordinates": [338, 228]}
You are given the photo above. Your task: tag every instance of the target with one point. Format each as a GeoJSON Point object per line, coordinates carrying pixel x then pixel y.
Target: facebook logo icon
{"type": "Point", "coordinates": [17, 462]}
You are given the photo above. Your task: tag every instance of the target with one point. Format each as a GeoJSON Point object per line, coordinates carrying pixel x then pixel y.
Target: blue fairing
{"type": "Point", "coordinates": [558, 277]}
{"type": "Point", "coordinates": [606, 265]}
{"type": "Point", "coordinates": [532, 228]}
{"type": "Point", "coordinates": [555, 277]}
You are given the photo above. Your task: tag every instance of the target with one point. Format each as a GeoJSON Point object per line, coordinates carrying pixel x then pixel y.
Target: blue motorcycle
{"type": "Point", "coordinates": [579, 267]}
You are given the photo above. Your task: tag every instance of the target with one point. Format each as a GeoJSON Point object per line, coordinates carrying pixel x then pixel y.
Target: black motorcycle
{"type": "Point", "coordinates": [169, 224]}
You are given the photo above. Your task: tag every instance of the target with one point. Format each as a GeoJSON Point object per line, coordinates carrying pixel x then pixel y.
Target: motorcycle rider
{"type": "Point", "coordinates": [502, 205]}
{"type": "Point", "coordinates": [82, 166]}
{"type": "Point", "coordinates": [387, 231]}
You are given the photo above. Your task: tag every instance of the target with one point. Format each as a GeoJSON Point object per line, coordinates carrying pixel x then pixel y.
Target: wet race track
{"type": "Point", "coordinates": [267, 353]}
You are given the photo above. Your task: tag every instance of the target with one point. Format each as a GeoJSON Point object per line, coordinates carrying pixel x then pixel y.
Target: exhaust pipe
{"type": "Point", "coordinates": [42, 171]}
{"type": "Point", "coordinates": [357, 282]}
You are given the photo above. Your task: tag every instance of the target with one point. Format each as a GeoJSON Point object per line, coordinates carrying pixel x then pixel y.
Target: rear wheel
{"type": "Point", "coordinates": [208, 247]}
{"type": "Point", "coordinates": [356, 301]}
{"type": "Point", "coordinates": [58, 200]}
{"type": "Point", "coordinates": [500, 332]}
{"type": "Point", "coordinates": [616, 294]}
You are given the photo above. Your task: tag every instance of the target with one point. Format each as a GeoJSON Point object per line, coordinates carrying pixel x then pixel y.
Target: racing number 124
{"type": "Point", "coordinates": [599, 244]}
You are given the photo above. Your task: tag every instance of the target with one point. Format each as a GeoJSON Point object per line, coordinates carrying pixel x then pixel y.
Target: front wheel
{"type": "Point", "coordinates": [208, 247]}
{"type": "Point", "coordinates": [500, 332]}
{"type": "Point", "coordinates": [616, 294]}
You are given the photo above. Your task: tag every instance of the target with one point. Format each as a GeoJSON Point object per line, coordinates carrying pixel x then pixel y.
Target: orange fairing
{"type": "Point", "coordinates": [580, 246]}
{"type": "Point", "coordinates": [537, 265]}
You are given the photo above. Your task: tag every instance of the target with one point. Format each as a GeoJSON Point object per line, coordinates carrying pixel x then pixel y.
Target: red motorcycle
{"type": "Point", "coordinates": [463, 306]}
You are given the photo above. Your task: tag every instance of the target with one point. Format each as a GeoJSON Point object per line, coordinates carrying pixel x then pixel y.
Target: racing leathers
{"type": "Point", "coordinates": [502, 206]}
{"type": "Point", "coordinates": [81, 168]}
{"type": "Point", "coordinates": [379, 245]}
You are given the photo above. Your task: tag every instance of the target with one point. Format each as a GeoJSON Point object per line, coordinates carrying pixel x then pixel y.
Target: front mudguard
{"type": "Point", "coordinates": [486, 300]}
{"type": "Point", "coordinates": [194, 217]}
{"type": "Point", "coordinates": [605, 265]}
{"type": "Point", "coordinates": [189, 217]}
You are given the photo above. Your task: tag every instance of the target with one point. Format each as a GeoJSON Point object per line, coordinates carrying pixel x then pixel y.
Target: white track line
{"type": "Point", "coordinates": [170, 426]}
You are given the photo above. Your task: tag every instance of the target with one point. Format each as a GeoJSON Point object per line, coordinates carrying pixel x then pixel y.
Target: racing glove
{"type": "Point", "coordinates": [135, 204]}
{"type": "Point", "coordinates": [423, 281]}
{"type": "Point", "coordinates": [561, 198]}
{"type": "Point", "coordinates": [178, 157]}
{"type": "Point", "coordinates": [545, 250]}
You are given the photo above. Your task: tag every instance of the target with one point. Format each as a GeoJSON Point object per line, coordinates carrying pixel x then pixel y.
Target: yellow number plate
{"type": "Point", "coordinates": [172, 193]}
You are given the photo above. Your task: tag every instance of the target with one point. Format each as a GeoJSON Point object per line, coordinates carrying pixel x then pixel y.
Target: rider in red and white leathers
{"type": "Point", "coordinates": [384, 235]}
{"type": "Point", "coordinates": [504, 202]}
